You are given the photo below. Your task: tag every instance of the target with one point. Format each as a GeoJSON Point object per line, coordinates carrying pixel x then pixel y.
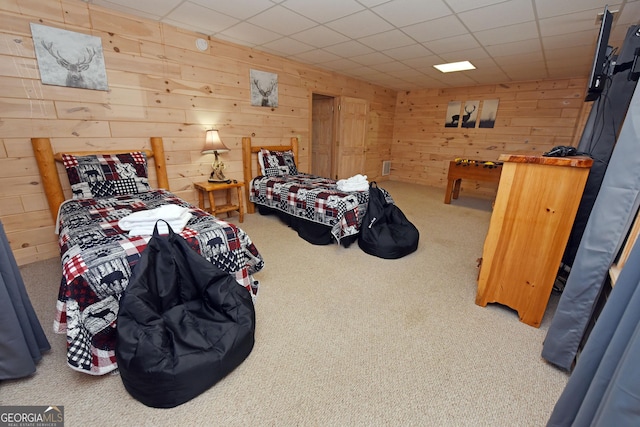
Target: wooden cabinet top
{"type": "Point", "coordinates": [573, 161]}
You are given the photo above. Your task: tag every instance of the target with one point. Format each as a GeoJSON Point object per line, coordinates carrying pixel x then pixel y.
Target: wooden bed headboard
{"type": "Point", "coordinates": [248, 164]}
{"type": "Point", "coordinates": [46, 159]}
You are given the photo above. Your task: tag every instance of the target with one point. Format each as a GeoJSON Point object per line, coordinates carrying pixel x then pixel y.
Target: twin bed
{"type": "Point", "coordinates": [313, 206]}
{"type": "Point", "coordinates": [98, 255]}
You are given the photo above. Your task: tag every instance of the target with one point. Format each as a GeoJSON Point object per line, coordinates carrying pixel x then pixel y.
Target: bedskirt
{"type": "Point", "coordinates": [312, 232]}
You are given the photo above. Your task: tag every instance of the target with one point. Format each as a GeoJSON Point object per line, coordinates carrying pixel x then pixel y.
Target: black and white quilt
{"type": "Point", "coordinates": [315, 199]}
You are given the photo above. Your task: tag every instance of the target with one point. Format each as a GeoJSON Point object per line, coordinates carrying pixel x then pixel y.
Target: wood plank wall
{"type": "Point", "coordinates": [159, 85]}
{"type": "Point", "coordinates": [532, 117]}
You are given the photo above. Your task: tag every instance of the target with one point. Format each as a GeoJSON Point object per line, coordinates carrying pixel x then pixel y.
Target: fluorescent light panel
{"type": "Point", "coordinates": [455, 66]}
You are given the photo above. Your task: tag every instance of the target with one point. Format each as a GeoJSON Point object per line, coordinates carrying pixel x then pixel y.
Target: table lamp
{"type": "Point", "coordinates": [213, 145]}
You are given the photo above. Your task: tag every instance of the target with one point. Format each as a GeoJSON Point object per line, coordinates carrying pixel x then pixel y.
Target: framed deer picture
{"type": "Point", "coordinates": [264, 89]}
{"type": "Point", "coordinates": [67, 58]}
{"type": "Point", "coordinates": [466, 115]}
{"type": "Point", "coordinates": [453, 114]}
{"type": "Point", "coordinates": [470, 116]}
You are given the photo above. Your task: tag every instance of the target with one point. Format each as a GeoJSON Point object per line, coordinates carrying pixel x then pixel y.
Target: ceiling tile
{"type": "Point", "coordinates": [387, 40]}
{"type": "Point", "coordinates": [372, 3]}
{"type": "Point", "coordinates": [364, 71]}
{"type": "Point", "coordinates": [406, 74]}
{"type": "Point", "coordinates": [517, 32]}
{"type": "Point", "coordinates": [321, 36]}
{"type": "Point", "coordinates": [448, 26]}
{"type": "Point", "coordinates": [372, 59]}
{"type": "Point", "coordinates": [202, 17]}
{"type": "Point", "coordinates": [317, 56]}
{"type": "Point", "coordinates": [415, 50]}
{"type": "Point", "coordinates": [342, 64]}
{"type": "Point", "coordinates": [360, 24]}
{"type": "Point", "coordinates": [426, 62]}
{"type": "Point", "coordinates": [452, 44]}
{"type": "Point", "coordinates": [239, 9]}
{"type": "Point", "coordinates": [515, 48]}
{"type": "Point", "coordinates": [325, 10]}
{"type": "Point", "coordinates": [391, 66]}
{"type": "Point", "coordinates": [462, 5]}
{"type": "Point", "coordinates": [349, 49]}
{"type": "Point", "coordinates": [282, 21]}
{"type": "Point", "coordinates": [565, 24]}
{"type": "Point", "coordinates": [406, 12]}
{"type": "Point", "coordinates": [569, 54]}
{"type": "Point", "coordinates": [472, 55]}
{"type": "Point", "coordinates": [286, 46]}
{"type": "Point", "coordinates": [498, 15]}
{"type": "Point", "coordinates": [495, 77]}
{"type": "Point", "coordinates": [548, 8]}
{"type": "Point", "coordinates": [252, 34]}
{"type": "Point", "coordinates": [456, 79]}
{"type": "Point", "coordinates": [520, 62]}
{"type": "Point", "coordinates": [580, 38]}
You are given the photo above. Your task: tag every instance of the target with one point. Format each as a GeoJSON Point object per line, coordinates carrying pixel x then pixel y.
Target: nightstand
{"type": "Point", "coordinates": [210, 187]}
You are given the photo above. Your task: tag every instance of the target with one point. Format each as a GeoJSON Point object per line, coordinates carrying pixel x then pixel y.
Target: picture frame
{"type": "Point", "coordinates": [67, 58]}
{"type": "Point", "coordinates": [264, 88]}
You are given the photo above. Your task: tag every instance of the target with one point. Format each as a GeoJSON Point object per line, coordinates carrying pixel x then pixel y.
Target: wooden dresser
{"type": "Point", "coordinates": [535, 207]}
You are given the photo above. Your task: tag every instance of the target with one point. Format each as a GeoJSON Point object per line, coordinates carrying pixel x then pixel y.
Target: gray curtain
{"type": "Point", "coordinates": [604, 388]}
{"type": "Point", "coordinates": [611, 217]}
{"type": "Point", "coordinates": [599, 137]}
{"type": "Point", "coordinates": [22, 340]}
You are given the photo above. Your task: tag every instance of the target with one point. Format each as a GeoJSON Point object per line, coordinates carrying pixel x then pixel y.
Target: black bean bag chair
{"type": "Point", "coordinates": [183, 324]}
{"type": "Point", "coordinates": [385, 231]}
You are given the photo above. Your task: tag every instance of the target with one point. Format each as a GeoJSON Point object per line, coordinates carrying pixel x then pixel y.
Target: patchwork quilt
{"type": "Point", "coordinates": [313, 198]}
{"type": "Point", "coordinates": [98, 257]}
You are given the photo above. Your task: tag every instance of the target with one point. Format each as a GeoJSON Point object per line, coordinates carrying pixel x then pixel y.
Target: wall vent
{"type": "Point", "coordinates": [386, 167]}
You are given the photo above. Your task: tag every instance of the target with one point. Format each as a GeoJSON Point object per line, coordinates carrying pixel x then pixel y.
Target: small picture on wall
{"type": "Point", "coordinates": [67, 58]}
{"type": "Point", "coordinates": [264, 89]}
{"type": "Point", "coordinates": [453, 114]}
{"type": "Point", "coordinates": [470, 115]}
{"type": "Point", "coordinates": [488, 114]}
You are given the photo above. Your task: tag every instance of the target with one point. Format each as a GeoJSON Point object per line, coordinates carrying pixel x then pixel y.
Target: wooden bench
{"type": "Point", "coordinates": [474, 170]}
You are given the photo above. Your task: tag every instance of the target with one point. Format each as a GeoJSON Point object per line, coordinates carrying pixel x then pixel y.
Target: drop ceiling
{"type": "Point", "coordinates": [395, 43]}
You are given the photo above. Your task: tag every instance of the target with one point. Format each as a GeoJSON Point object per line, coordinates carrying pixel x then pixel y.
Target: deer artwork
{"type": "Point", "coordinates": [266, 93]}
{"type": "Point", "coordinates": [74, 70]}
{"type": "Point", "coordinates": [465, 117]}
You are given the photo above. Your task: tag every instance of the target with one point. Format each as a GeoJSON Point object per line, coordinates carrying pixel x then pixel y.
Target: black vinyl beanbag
{"type": "Point", "coordinates": [183, 324]}
{"type": "Point", "coordinates": [385, 231]}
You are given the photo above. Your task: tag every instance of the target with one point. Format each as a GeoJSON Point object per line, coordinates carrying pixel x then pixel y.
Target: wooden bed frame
{"type": "Point", "coordinates": [46, 159]}
{"type": "Point", "coordinates": [248, 164]}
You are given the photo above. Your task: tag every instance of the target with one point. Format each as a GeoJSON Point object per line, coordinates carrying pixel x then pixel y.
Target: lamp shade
{"type": "Point", "coordinates": [213, 143]}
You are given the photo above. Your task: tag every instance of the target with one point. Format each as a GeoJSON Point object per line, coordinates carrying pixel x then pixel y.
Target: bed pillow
{"type": "Point", "coordinates": [275, 163]}
{"type": "Point", "coordinates": [106, 175]}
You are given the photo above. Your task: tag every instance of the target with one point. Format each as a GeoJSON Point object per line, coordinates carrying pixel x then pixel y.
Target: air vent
{"type": "Point", "coordinates": [386, 167]}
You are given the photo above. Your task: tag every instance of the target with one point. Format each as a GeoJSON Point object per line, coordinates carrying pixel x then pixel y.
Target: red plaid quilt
{"type": "Point", "coordinates": [98, 257]}
{"type": "Point", "coordinates": [313, 198]}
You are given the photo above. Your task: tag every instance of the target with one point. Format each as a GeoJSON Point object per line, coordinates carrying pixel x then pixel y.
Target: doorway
{"type": "Point", "coordinates": [322, 134]}
{"type": "Point", "coordinates": [338, 130]}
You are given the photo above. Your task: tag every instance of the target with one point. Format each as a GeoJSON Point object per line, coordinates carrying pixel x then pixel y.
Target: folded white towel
{"type": "Point", "coordinates": [355, 183]}
{"type": "Point", "coordinates": [177, 225]}
{"type": "Point", "coordinates": [142, 223]}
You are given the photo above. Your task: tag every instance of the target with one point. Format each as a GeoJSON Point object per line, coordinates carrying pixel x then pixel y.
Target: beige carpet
{"type": "Point", "coordinates": [343, 339]}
